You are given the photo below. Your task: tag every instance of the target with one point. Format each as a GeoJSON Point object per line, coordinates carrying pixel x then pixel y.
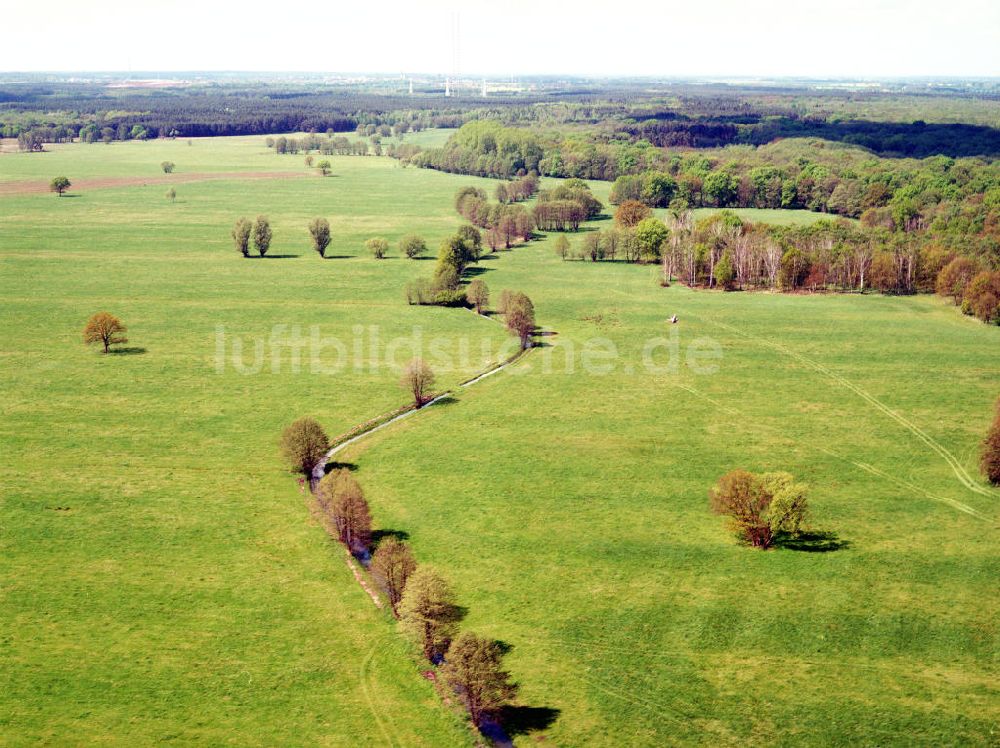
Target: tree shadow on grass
{"type": "Point", "coordinates": [472, 272]}
{"type": "Point", "coordinates": [278, 257]}
{"type": "Point", "coordinates": [379, 535]}
{"type": "Point", "coordinates": [334, 465]}
{"type": "Point", "coordinates": [812, 542]}
{"type": "Point", "coordinates": [446, 400]}
{"type": "Point", "coordinates": [131, 351]}
{"type": "Point", "coordinates": [521, 720]}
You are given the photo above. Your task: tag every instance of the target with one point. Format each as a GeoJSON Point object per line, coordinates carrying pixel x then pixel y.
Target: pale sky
{"type": "Point", "coordinates": [850, 38]}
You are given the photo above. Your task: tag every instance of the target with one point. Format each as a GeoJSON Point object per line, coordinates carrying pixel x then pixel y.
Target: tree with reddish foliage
{"type": "Point", "coordinates": [106, 329]}
{"type": "Point", "coordinates": [519, 315]}
{"type": "Point", "coordinates": [341, 499]}
{"type": "Point", "coordinates": [990, 459]}
{"type": "Point", "coordinates": [954, 277]}
{"type": "Point", "coordinates": [631, 212]}
{"type": "Point", "coordinates": [392, 565]}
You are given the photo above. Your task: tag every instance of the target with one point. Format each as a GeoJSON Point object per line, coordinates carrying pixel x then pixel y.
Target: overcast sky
{"type": "Point", "coordinates": [800, 38]}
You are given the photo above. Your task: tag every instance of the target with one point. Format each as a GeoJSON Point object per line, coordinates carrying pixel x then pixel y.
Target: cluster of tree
{"type": "Point", "coordinates": [517, 190]}
{"type": "Point", "coordinates": [990, 458]}
{"type": "Point", "coordinates": [106, 329]}
{"type": "Point", "coordinates": [455, 254]}
{"type": "Point", "coordinates": [418, 596]}
{"type": "Point", "coordinates": [565, 207]}
{"type": "Point", "coordinates": [760, 507]}
{"type": "Point", "coordinates": [958, 198]}
{"type": "Point", "coordinates": [328, 146]}
{"type": "Point", "coordinates": [244, 232]}
{"type": "Point", "coordinates": [505, 223]}
{"type": "Point", "coordinates": [974, 289]}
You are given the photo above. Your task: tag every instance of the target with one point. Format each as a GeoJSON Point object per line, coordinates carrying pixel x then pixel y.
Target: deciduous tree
{"type": "Point", "coordinates": [418, 379]}
{"type": "Point", "coordinates": [303, 445]}
{"type": "Point", "coordinates": [760, 506]}
{"type": "Point", "coordinates": [319, 229]}
{"type": "Point", "coordinates": [990, 459]}
{"type": "Point", "coordinates": [241, 236]}
{"type": "Point", "coordinates": [412, 246]}
{"type": "Point", "coordinates": [428, 611]}
{"type": "Point", "coordinates": [478, 294]}
{"type": "Point", "coordinates": [59, 185]}
{"type": "Point", "coordinates": [167, 166]}
{"type": "Point", "coordinates": [474, 669]}
{"type": "Point", "coordinates": [106, 329]}
{"type": "Point", "coordinates": [262, 235]}
{"type": "Point", "coordinates": [520, 318]}
{"type": "Point", "coordinates": [630, 212]}
{"type": "Point", "coordinates": [377, 246]}
{"type": "Point", "coordinates": [392, 566]}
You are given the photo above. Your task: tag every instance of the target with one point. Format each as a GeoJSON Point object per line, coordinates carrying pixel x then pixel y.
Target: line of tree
{"type": "Point", "coordinates": [505, 223]}
{"type": "Point", "coordinates": [419, 597]}
{"type": "Point", "coordinates": [330, 145]}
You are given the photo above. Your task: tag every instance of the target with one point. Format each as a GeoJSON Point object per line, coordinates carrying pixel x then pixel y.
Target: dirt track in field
{"type": "Point", "coordinates": [35, 187]}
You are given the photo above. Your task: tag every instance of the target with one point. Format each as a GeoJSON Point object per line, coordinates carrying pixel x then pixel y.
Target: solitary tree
{"type": "Point", "coordinates": [392, 565]}
{"type": "Point", "coordinates": [319, 228]}
{"type": "Point", "coordinates": [378, 247]}
{"type": "Point", "coordinates": [990, 460]}
{"type": "Point", "coordinates": [520, 318]}
{"type": "Point", "coordinates": [167, 166]}
{"type": "Point", "coordinates": [309, 162]}
{"type": "Point", "coordinates": [412, 246]}
{"type": "Point", "coordinates": [474, 668]}
{"type": "Point", "coordinates": [262, 235]}
{"type": "Point", "coordinates": [106, 329]}
{"type": "Point", "coordinates": [478, 294]}
{"type": "Point", "coordinates": [59, 185]}
{"type": "Point", "coordinates": [759, 507]}
{"type": "Point", "coordinates": [418, 379]}
{"type": "Point", "coordinates": [171, 194]}
{"type": "Point", "coordinates": [324, 167]}
{"type": "Point", "coordinates": [427, 611]}
{"type": "Point", "coordinates": [303, 445]}
{"type": "Point", "coordinates": [241, 236]}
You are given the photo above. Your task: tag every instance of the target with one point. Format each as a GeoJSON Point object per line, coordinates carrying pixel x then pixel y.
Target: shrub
{"type": "Point", "coordinates": [377, 246]}
{"type": "Point", "coordinates": [319, 230]}
{"type": "Point", "coordinates": [450, 297]}
{"type": "Point", "coordinates": [412, 246]}
{"type": "Point", "coordinates": [167, 166]}
{"type": "Point", "coordinates": [262, 235]}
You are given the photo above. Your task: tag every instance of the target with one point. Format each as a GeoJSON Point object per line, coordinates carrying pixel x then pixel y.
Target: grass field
{"type": "Point", "coordinates": [164, 580]}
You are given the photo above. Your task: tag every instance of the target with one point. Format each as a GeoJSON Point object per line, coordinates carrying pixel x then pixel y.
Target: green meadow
{"type": "Point", "coordinates": [164, 580]}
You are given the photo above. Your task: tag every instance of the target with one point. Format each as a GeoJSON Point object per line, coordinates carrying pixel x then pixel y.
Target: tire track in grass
{"type": "Point", "coordinates": [954, 503]}
{"type": "Point", "coordinates": [367, 688]}
{"type": "Point", "coordinates": [960, 472]}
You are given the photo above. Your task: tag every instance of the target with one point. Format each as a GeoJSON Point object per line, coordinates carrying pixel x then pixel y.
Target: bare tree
{"type": "Point", "coordinates": [474, 669]}
{"type": "Point", "coordinates": [392, 565]}
{"type": "Point", "coordinates": [418, 379]}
